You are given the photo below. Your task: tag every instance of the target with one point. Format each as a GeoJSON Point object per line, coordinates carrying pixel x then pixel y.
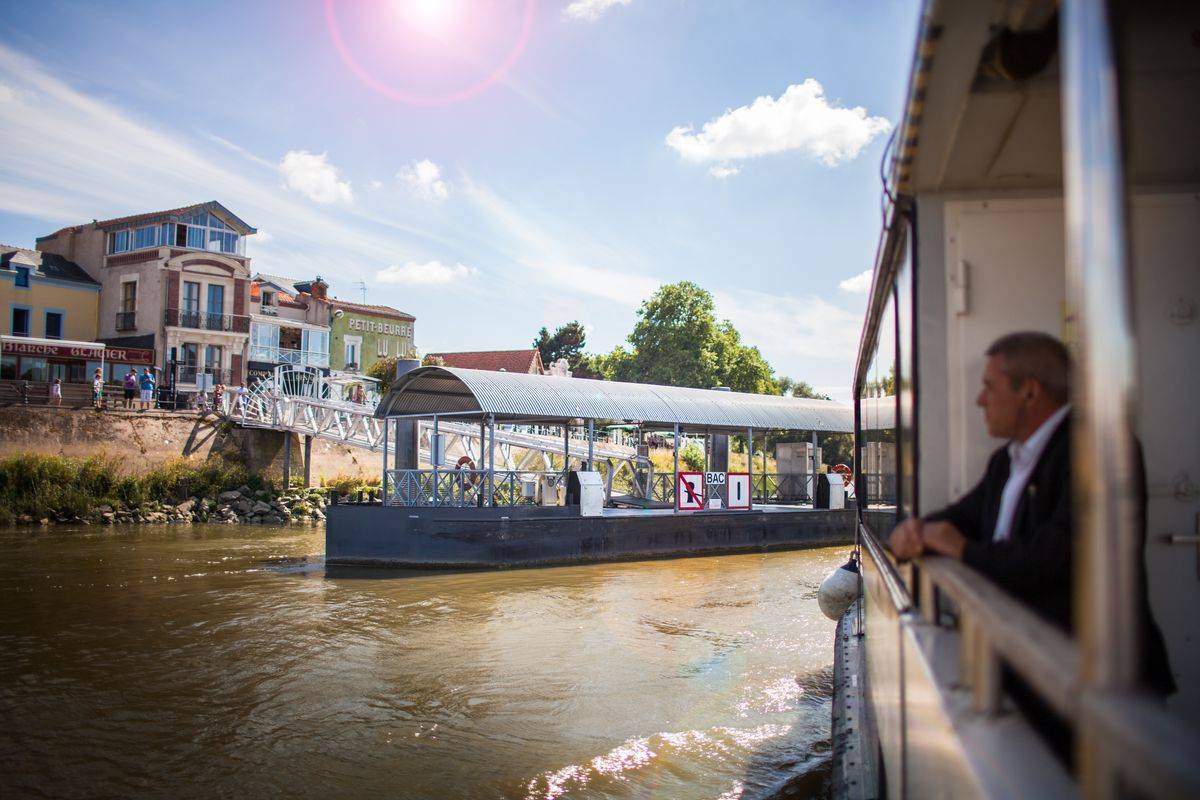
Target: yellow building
{"type": "Point", "coordinates": [44, 296]}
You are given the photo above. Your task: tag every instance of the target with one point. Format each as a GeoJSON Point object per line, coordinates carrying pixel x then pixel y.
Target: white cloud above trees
{"type": "Point", "coordinates": [424, 179]}
{"type": "Point", "coordinates": [431, 273]}
{"type": "Point", "coordinates": [857, 284]}
{"type": "Point", "coordinates": [591, 10]}
{"type": "Point", "coordinates": [801, 119]}
{"type": "Point", "coordinates": [313, 176]}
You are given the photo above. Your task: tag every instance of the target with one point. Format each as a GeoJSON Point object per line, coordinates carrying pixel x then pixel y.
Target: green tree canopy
{"type": "Point", "coordinates": [567, 342]}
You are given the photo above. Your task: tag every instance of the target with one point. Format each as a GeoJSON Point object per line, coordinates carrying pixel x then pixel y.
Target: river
{"type": "Point", "coordinates": [222, 661]}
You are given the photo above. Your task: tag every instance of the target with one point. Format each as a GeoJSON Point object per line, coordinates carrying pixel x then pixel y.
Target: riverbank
{"type": "Point", "coordinates": [38, 489]}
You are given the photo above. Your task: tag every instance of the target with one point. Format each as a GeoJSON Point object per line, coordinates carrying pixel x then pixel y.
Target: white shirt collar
{"type": "Point", "coordinates": [1030, 450]}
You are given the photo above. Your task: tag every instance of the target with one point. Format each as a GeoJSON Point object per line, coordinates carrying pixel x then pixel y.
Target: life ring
{"type": "Point", "coordinates": [472, 476]}
{"type": "Point", "coordinates": [846, 472]}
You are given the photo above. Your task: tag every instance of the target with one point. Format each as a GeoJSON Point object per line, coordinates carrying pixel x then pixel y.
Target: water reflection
{"type": "Point", "coordinates": [202, 660]}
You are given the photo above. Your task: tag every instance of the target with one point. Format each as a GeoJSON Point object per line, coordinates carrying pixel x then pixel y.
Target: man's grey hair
{"type": "Point", "coordinates": [1030, 355]}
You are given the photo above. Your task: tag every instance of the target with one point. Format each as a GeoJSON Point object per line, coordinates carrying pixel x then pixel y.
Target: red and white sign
{"type": "Point", "coordinates": [689, 491]}
{"type": "Point", "coordinates": [737, 486]}
{"type": "Point", "coordinates": [124, 355]}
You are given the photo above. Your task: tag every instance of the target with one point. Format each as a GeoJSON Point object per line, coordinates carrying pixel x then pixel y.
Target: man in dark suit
{"type": "Point", "coordinates": [1015, 526]}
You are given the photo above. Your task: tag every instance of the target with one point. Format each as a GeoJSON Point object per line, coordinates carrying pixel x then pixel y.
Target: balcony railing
{"type": "Point", "coordinates": [202, 320]}
{"type": "Point", "coordinates": [282, 355]}
{"type": "Point", "coordinates": [126, 320]}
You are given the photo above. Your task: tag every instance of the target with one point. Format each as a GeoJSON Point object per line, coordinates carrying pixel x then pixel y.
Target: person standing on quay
{"type": "Point", "coordinates": [97, 391]}
{"type": "Point", "coordinates": [241, 398]}
{"type": "Point", "coordinates": [131, 386]}
{"type": "Point", "coordinates": [218, 394]}
{"type": "Point", "coordinates": [147, 387]}
{"type": "Point", "coordinates": [56, 392]}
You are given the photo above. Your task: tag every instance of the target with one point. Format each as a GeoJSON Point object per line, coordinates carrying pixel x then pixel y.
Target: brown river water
{"type": "Point", "coordinates": [225, 661]}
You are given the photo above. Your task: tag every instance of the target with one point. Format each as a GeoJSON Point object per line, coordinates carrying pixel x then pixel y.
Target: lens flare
{"type": "Point", "coordinates": [433, 39]}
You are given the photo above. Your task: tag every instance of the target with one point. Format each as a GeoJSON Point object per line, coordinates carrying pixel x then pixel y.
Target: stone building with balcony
{"type": "Point", "coordinates": [289, 324]}
{"type": "Point", "coordinates": [176, 282]}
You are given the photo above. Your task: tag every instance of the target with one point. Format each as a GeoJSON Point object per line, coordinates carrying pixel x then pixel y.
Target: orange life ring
{"type": "Point", "coordinates": [846, 472]}
{"type": "Point", "coordinates": [472, 476]}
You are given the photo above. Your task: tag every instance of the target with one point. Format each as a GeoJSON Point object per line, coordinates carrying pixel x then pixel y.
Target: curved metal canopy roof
{"type": "Point", "coordinates": [513, 397]}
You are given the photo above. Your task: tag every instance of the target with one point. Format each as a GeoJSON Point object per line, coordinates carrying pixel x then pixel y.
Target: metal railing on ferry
{"type": "Point", "coordinates": [467, 488]}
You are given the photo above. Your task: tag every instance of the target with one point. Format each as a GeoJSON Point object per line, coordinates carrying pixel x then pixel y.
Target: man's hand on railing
{"type": "Point", "coordinates": [905, 541]}
{"type": "Point", "coordinates": [944, 539]}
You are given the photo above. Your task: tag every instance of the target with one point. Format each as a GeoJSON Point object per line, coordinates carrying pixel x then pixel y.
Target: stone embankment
{"type": "Point", "coordinates": [243, 505]}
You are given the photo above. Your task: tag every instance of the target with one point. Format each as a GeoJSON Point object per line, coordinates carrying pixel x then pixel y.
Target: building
{"type": "Point", "coordinates": [523, 361]}
{"type": "Point", "coordinates": [361, 334]}
{"type": "Point", "coordinates": [289, 324]}
{"type": "Point", "coordinates": [175, 282]}
{"type": "Point", "coordinates": [45, 298]}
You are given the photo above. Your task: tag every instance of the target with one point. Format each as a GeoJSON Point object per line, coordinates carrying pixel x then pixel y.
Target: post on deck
{"type": "Point", "coordinates": [287, 460]}
{"type": "Point", "coordinates": [750, 462]}
{"type": "Point", "coordinates": [675, 486]}
{"type": "Point", "coordinates": [383, 486]}
{"type": "Point", "coordinates": [433, 457]}
{"type": "Point", "coordinates": [307, 461]}
{"type": "Point", "coordinates": [812, 492]}
{"type": "Point", "coordinates": [491, 459]}
{"type": "Point", "coordinates": [764, 492]}
{"type": "Point", "coordinates": [591, 443]}
{"type": "Point", "coordinates": [566, 451]}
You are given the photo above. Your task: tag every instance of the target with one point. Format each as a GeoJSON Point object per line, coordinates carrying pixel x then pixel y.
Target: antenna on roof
{"type": "Point", "coordinates": [362, 287]}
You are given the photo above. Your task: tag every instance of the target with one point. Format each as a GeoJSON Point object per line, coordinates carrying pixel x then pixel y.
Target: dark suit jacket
{"type": "Point", "coordinates": [1035, 563]}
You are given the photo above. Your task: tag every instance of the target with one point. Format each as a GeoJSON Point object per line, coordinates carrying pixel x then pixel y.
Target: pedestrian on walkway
{"type": "Point", "coordinates": [147, 388]}
{"type": "Point", "coordinates": [98, 390]}
{"type": "Point", "coordinates": [218, 394]}
{"type": "Point", "coordinates": [56, 392]}
{"type": "Point", "coordinates": [131, 387]}
{"type": "Point", "coordinates": [241, 398]}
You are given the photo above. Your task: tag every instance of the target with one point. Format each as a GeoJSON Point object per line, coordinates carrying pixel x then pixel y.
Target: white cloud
{"type": "Point", "coordinates": [375, 186]}
{"type": "Point", "coordinates": [791, 329]}
{"type": "Point", "coordinates": [858, 284]}
{"type": "Point", "coordinates": [424, 179]}
{"type": "Point", "coordinates": [591, 10]}
{"type": "Point", "coordinates": [800, 119]}
{"type": "Point", "coordinates": [6, 94]}
{"type": "Point", "coordinates": [723, 171]}
{"type": "Point", "coordinates": [262, 237]}
{"type": "Point", "coordinates": [431, 273]}
{"type": "Point", "coordinates": [314, 177]}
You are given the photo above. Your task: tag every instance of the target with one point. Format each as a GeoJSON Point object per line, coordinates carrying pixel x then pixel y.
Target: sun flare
{"type": "Point", "coordinates": [431, 16]}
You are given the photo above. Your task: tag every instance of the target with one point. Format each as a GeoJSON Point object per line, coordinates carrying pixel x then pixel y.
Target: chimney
{"type": "Point", "coordinates": [319, 289]}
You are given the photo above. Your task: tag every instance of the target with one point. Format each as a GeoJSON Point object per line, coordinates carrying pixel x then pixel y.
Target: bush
{"type": "Point", "coordinates": [691, 456]}
{"type": "Point", "coordinates": [53, 486]}
{"type": "Point", "coordinates": [346, 485]}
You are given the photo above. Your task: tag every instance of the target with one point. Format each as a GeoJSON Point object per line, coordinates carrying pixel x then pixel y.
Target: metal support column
{"type": "Point", "coordinates": [566, 452]}
{"type": "Point", "coordinates": [675, 487]}
{"type": "Point", "coordinates": [384, 477]}
{"type": "Point", "coordinates": [491, 459]}
{"type": "Point", "coordinates": [816, 467]}
{"type": "Point", "coordinates": [750, 462]}
{"type": "Point", "coordinates": [307, 461]}
{"type": "Point", "coordinates": [763, 499]}
{"type": "Point", "coordinates": [591, 444]}
{"type": "Point", "coordinates": [287, 460]}
{"type": "Point", "coordinates": [433, 457]}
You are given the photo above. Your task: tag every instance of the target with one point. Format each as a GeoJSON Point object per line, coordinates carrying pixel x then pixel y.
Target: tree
{"type": "Point", "coordinates": [384, 371]}
{"type": "Point", "coordinates": [793, 388]}
{"type": "Point", "coordinates": [567, 342]}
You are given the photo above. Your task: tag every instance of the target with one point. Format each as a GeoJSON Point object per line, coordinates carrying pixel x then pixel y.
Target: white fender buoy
{"type": "Point", "coordinates": [839, 590]}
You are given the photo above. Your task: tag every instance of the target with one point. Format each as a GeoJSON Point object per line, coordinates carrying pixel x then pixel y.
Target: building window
{"type": "Point", "coordinates": [129, 297]}
{"type": "Point", "coordinates": [216, 305]}
{"type": "Point", "coordinates": [189, 357]}
{"type": "Point", "coordinates": [20, 322]}
{"type": "Point", "coordinates": [191, 297]}
{"type": "Point", "coordinates": [118, 241]}
{"type": "Point", "coordinates": [212, 359]}
{"type": "Point", "coordinates": [352, 348]}
{"type": "Point", "coordinates": [145, 237]}
{"type": "Point", "coordinates": [54, 324]}
{"type": "Point", "coordinates": [203, 231]}
{"type": "Point", "coordinates": [8, 367]}
{"type": "Point", "coordinates": [23, 277]}
{"type": "Point", "coordinates": [268, 298]}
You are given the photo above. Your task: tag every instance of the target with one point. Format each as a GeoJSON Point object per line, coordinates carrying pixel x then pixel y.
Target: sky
{"type": "Point", "coordinates": [490, 166]}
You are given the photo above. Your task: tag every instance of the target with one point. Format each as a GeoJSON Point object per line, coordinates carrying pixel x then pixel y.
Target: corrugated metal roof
{"type": "Point", "coordinates": [518, 396]}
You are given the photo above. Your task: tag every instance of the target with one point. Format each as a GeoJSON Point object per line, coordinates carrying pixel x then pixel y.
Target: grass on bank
{"type": "Point", "coordinates": [55, 486]}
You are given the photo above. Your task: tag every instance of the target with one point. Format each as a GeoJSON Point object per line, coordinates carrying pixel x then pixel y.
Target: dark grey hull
{"type": "Point", "coordinates": [447, 538]}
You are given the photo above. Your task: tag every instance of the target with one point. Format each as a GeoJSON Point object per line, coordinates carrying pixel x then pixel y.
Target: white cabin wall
{"type": "Point", "coordinates": [1165, 242]}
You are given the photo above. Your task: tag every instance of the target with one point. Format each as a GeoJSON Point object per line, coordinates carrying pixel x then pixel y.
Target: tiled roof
{"type": "Point", "coordinates": [363, 308]}
{"type": "Point", "coordinates": [211, 205]}
{"type": "Point", "coordinates": [287, 284]}
{"type": "Point", "coordinates": [521, 361]}
{"type": "Point", "coordinates": [46, 265]}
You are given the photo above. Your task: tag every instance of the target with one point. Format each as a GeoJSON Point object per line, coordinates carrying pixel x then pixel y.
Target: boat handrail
{"type": "Point", "coordinates": [896, 589]}
{"type": "Point", "coordinates": [1152, 750]}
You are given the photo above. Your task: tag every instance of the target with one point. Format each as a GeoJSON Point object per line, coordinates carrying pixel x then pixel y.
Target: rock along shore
{"type": "Point", "coordinates": [239, 506]}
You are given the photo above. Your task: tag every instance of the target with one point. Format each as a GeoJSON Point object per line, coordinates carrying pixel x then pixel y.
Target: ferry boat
{"type": "Point", "coordinates": [1045, 176]}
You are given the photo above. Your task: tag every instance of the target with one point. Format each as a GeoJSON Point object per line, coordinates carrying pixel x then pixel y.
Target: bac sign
{"type": "Point", "coordinates": [738, 497]}
{"type": "Point", "coordinates": [689, 491]}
